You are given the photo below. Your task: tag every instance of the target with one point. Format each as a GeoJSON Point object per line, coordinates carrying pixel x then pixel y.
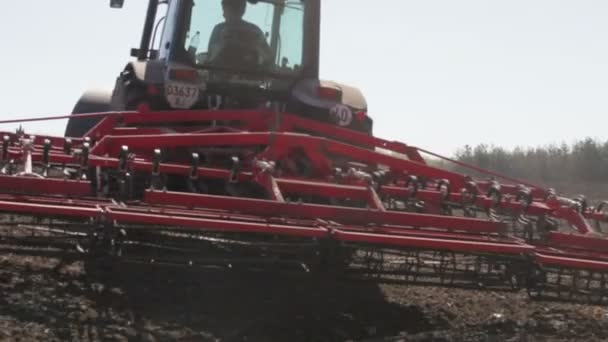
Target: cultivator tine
{"type": "Point", "coordinates": [413, 186]}
{"type": "Point", "coordinates": [232, 186]}
{"type": "Point", "coordinates": [469, 193]}
{"type": "Point", "coordinates": [123, 161]}
{"type": "Point", "coordinates": [156, 182]}
{"type": "Point", "coordinates": [125, 186]}
{"type": "Point", "coordinates": [524, 195]}
{"type": "Point", "coordinates": [125, 181]}
{"type": "Point", "coordinates": [46, 163]}
{"type": "Point", "coordinates": [27, 148]}
{"type": "Point", "coordinates": [67, 146]}
{"type": "Point", "coordinates": [5, 143]}
{"type": "Point", "coordinates": [599, 216]}
{"type": "Point", "coordinates": [84, 161]}
{"type": "Point", "coordinates": [445, 191]}
{"type": "Point", "coordinates": [194, 183]}
{"type": "Point", "coordinates": [234, 171]}
{"type": "Point", "coordinates": [7, 162]}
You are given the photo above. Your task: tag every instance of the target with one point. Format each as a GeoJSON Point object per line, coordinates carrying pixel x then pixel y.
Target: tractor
{"type": "Point", "coordinates": [173, 69]}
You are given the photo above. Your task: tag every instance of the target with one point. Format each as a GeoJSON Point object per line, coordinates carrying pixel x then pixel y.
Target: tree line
{"type": "Point", "coordinates": [579, 165]}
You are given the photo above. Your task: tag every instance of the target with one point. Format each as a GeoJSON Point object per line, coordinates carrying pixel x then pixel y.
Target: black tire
{"type": "Point", "coordinates": [89, 102]}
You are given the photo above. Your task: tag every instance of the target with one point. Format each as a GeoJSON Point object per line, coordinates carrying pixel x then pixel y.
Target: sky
{"type": "Point", "coordinates": [437, 74]}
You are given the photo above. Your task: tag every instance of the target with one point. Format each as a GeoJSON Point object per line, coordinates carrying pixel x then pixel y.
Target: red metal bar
{"type": "Point", "coordinates": [58, 200]}
{"type": "Point", "coordinates": [537, 190]}
{"type": "Point", "coordinates": [374, 200]}
{"type": "Point", "coordinates": [434, 244]}
{"type": "Point", "coordinates": [434, 234]}
{"type": "Point", "coordinates": [201, 224]}
{"type": "Point", "coordinates": [104, 127]}
{"type": "Point", "coordinates": [138, 130]}
{"type": "Point", "coordinates": [49, 118]}
{"type": "Point", "coordinates": [168, 168]}
{"type": "Point", "coordinates": [579, 241]}
{"type": "Point", "coordinates": [328, 190]}
{"type": "Point", "coordinates": [270, 184]}
{"type": "Point", "coordinates": [596, 215]}
{"type": "Point", "coordinates": [111, 144]}
{"type": "Point", "coordinates": [397, 164]}
{"type": "Point", "coordinates": [291, 122]}
{"type": "Point", "coordinates": [553, 260]}
{"type": "Point", "coordinates": [213, 214]}
{"type": "Point", "coordinates": [313, 211]}
{"type": "Point", "coordinates": [574, 218]}
{"type": "Point", "coordinates": [312, 145]}
{"type": "Point", "coordinates": [252, 117]}
{"type": "Point", "coordinates": [47, 209]}
{"type": "Point", "coordinates": [569, 252]}
{"type": "Point", "coordinates": [63, 187]}
{"type": "Point", "coordinates": [434, 197]}
{"type": "Point", "coordinates": [54, 157]}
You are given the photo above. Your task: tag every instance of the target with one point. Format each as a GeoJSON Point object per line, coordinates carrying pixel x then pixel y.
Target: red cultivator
{"type": "Point", "coordinates": [269, 190]}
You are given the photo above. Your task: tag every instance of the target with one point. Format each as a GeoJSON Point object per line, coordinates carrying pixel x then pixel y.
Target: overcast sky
{"type": "Point", "coordinates": [437, 74]}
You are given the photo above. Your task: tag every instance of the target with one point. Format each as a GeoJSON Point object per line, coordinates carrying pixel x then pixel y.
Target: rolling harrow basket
{"type": "Point", "coordinates": [270, 190]}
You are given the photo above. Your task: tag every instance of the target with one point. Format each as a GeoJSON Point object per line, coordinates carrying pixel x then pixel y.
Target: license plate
{"type": "Point", "coordinates": [182, 96]}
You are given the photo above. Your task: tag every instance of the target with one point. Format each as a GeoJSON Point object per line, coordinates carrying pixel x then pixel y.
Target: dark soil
{"type": "Point", "coordinates": [40, 302]}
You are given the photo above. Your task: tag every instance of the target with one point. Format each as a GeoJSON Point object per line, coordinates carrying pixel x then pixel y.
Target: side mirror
{"type": "Point", "coordinates": [117, 3]}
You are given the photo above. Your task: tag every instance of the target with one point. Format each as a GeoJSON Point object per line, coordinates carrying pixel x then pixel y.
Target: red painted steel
{"type": "Point", "coordinates": [325, 212]}
{"type": "Point", "coordinates": [577, 263]}
{"type": "Point", "coordinates": [210, 225]}
{"type": "Point", "coordinates": [575, 218]}
{"type": "Point", "coordinates": [427, 233]}
{"type": "Point", "coordinates": [328, 190]}
{"type": "Point", "coordinates": [599, 244]}
{"type": "Point", "coordinates": [30, 184]}
{"type": "Point", "coordinates": [434, 244]}
{"type": "Point", "coordinates": [49, 209]}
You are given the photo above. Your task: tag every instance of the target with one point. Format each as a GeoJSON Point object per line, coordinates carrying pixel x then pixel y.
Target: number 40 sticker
{"type": "Point", "coordinates": [341, 114]}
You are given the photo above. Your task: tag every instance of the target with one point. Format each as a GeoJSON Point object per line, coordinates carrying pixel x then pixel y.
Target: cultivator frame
{"type": "Point", "coordinates": [268, 189]}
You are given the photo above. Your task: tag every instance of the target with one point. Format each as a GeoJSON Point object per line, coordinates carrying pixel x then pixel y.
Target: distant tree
{"type": "Point", "coordinates": [584, 160]}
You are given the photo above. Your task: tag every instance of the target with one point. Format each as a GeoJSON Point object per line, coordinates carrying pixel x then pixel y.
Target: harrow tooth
{"type": "Point", "coordinates": [413, 185]}
{"type": "Point", "coordinates": [524, 196]}
{"type": "Point", "coordinates": [123, 161]}
{"type": "Point", "coordinates": [27, 146]}
{"type": "Point", "coordinates": [126, 186]}
{"type": "Point", "coordinates": [8, 168]}
{"type": "Point", "coordinates": [581, 203]}
{"type": "Point", "coordinates": [46, 164]}
{"type": "Point", "coordinates": [444, 187]}
{"type": "Point", "coordinates": [84, 161]}
{"type": "Point", "coordinates": [359, 175]}
{"type": "Point", "coordinates": [194, 167]}
{"type": "Point", "coordinates": [5, 144]}
{"type": "Point", "coordinates": [67, 146]}
{"type": "Point", "coordinates": [195, 185]}
{"type": "Point", "coordinates": [551, 194]}
{"type": "Point", "coordinates": [234, 171]}
{"type": "Point", "coordinates": [156, 182]}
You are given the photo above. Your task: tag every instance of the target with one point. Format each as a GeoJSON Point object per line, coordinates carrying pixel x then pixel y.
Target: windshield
{"type": "Point", "coordinates": [267, 35]}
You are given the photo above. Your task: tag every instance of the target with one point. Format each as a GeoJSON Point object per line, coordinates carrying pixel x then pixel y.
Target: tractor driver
{"type": "Point", "coordinates": [236, 41]}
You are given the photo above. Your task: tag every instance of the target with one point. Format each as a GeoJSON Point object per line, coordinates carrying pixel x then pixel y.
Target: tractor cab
{"type": "Point", "coordinates": [228, 54]}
